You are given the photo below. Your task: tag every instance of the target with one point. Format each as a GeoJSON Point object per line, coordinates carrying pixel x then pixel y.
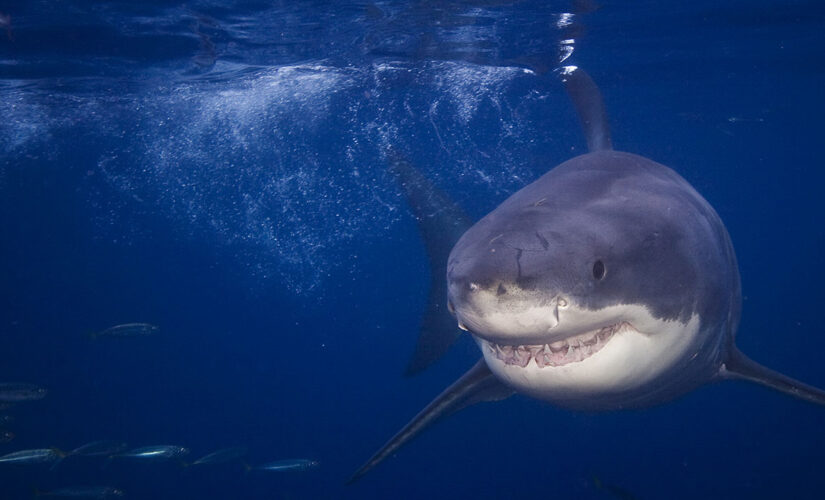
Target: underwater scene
{"type": "Point", "coordinates": [408, 249]}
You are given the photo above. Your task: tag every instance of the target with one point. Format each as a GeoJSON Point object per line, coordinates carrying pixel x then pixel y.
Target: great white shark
{"type": "Point", "coordinates": [608, 283]}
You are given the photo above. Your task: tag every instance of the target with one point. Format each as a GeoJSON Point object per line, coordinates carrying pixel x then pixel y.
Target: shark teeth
{"type": "Point", "coordinates": [558, 353]}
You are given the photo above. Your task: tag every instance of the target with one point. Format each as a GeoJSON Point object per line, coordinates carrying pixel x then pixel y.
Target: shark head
{"type": "Point", "coordinates": [608, 273]}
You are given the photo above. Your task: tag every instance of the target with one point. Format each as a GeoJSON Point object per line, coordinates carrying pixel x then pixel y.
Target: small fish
{"type": "Point", "coordinates": [292, 464]}
{"type": "Point", "coordinates": [94, 449]}
{"type": "Point", "coordinates": [127, 330]}
{"type": "Point", "coordinates": [161, 452]}
{"type": "Point", "coordinates": [35, 456]}
{"type": "Point", "coordinates": [6, 419]}
{"type": "Point", "coordinates": [740, 119]}
{"type": "Point", "coordinates": [82, 492]}
{"type": "Point", "coordinates": [99, 449]}
{"type": "Point", "coordinates": [15, 392]}
{"type": "Point", "coordinates": [6, 436]}
{"type": "Point", "coordinates": [221, 456]}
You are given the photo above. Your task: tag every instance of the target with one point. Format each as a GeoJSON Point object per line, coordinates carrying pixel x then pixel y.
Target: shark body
{"type": "Point", "coordinates": [608, 283]}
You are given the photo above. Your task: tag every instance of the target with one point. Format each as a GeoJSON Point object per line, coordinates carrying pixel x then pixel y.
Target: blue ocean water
{"type": "Point", "coordinates": [217, 169]}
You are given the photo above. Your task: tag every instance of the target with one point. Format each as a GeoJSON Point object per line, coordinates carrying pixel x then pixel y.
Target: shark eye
{"type": "Point", "coordinates": [599, 270]}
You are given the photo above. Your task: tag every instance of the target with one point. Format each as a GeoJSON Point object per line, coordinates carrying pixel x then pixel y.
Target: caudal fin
{"type": "Point", "coordinates": [441, 223]}
{"type": "Point", "coordinates": [739, 366]}
{"type": "Point", "coordinates": [58, 461]}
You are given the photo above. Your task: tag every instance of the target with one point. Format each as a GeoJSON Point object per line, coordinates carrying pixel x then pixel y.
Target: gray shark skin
{"type": "Point", "coordinates": [608, 283]}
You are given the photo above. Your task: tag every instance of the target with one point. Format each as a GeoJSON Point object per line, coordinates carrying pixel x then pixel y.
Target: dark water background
{"type": "Point", "coordinates": [216, 168]}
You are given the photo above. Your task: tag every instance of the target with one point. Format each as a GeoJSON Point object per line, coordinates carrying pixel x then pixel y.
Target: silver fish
{"type": "Point", "coordinates": [161, 452]}
{"type": "Point", "coordinates": [83, 492]}
{"type": "Point", "coordinates": [35, 456]}
{"type": "Point", "coordinates": [98, 449]}
{"type": "Point", "coordinates": [94, 449]}
{"type": "Point", "coordinates": [128, 330]}
{"type": "Point", "coordinates": [221, 456]}
{"type": "Point", "coordinates": [6, 419]}
{"type": "Point", "coordinates": [292, 464]}
{"type": "Point", "coordinates": [15, 392]}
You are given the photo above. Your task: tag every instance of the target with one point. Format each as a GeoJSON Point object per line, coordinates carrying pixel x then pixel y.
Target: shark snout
{"type": "Point", "coordinates": [494, 315]}
{"type": "Point", "coordinates": [501, 286]}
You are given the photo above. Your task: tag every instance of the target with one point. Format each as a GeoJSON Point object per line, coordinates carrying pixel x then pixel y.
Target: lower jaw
{"type": "Point", "coordinates": [571, 350]}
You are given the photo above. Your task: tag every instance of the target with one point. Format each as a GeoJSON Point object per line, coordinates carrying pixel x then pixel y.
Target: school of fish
{"type": "Point", "coordinates": [13, 394]}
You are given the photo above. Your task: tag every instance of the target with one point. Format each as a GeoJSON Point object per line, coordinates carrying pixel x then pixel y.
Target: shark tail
{"type": "Point", "coordinates": [740, 367]}
{"type": "Point", "coordinates": [475, 386]}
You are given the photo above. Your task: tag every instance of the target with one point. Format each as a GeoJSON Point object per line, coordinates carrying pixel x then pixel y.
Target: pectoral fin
{"type": "Point", "coordinates": [475, 386]}
{"type": "Point", "coordinates": [441, 223]}
{"type": "Point", "coordinates": [739, 366]}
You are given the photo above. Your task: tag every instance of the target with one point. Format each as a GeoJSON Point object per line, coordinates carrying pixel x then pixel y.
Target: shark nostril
{"type": "Point", "coordinates": [501, 290]}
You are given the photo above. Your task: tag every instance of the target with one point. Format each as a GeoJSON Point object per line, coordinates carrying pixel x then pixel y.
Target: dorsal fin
{"type": "Point", "coordinates": [587, 99]}
{"type": "Point", "coordinates": [441, 223]}
{"type": "Point", "coordinates": [475, 386]}
{"type": "Point", "coordinates": [739, 366]}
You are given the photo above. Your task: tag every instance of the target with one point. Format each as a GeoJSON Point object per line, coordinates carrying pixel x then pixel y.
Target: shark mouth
{"type": "Point", "coordinates": [559, 353]}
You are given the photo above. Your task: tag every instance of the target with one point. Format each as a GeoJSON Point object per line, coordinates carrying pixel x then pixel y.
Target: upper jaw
{"type": "Point", "coordinates": [561, 334]}
{"type": "Point", "coordinates": [568, 350]}
{"type": "Point", "coordinates": [541, 329]}
{"type": "Point", "coordinates": [545, 327]}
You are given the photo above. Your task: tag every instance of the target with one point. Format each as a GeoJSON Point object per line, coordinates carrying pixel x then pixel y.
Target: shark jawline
{"type": "Point", "coordinates": [559, 353]}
